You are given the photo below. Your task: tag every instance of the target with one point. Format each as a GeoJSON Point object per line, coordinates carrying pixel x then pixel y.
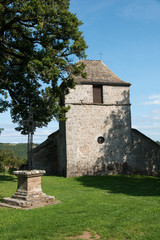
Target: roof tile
{"type": "Point", "coordinates": [98, 72]}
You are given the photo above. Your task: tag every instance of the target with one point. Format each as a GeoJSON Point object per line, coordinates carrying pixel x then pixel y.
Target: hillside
{"type": "Point", "coordinates": [19, 149]}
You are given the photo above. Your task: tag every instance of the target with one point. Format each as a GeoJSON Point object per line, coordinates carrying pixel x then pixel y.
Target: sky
{"type": "Point", "coordinates": [125, 35]}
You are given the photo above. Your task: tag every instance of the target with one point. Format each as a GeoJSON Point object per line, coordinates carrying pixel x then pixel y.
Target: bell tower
{"type": "Point", "coordinates": [96, 136]}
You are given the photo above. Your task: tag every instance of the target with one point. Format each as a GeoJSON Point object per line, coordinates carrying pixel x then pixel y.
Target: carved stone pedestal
{"type": "Point", "coordinates": [29, 192]}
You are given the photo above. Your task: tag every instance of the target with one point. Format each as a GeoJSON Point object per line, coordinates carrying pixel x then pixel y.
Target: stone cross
{"type": "Point", "coordinates": [31, 124]}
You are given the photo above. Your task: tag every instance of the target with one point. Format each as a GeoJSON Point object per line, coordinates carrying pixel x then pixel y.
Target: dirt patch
{"type": "Point", "coordinates": [86, 235]}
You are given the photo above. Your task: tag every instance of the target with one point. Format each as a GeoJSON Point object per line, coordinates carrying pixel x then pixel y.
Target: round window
{"type": "Point", "coordinates": [100, 140]}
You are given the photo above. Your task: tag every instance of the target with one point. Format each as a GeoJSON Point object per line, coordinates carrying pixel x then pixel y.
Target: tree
{"type": "Point", "coordinates": [9, 161]}
{"type": "Point", "coordinates": [1, 129]}
{"type": "Point", "coordinates": [38, 40]}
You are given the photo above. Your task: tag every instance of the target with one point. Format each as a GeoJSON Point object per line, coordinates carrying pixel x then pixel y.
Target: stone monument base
{"type": "Point", "coordinates": [29, 192]}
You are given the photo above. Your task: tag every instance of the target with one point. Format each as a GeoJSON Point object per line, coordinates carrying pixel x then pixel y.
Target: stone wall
{"type": "Point", "coordinates": [80, 93]}
{"type": "Point", "coordinates": [45, 155]}
{"type": "Point", "coordinates": [145, 155]}
{"type": "Point", "coordinates": [121, 153]}
{"type": "Point", "coordinates": [75, 149]}
{"type": "Point", "coordinates": [111, 95]}
{"type": "Point", "coordinates": [85, 124]}
{"type": "Point", "coordinates": [116, 95]}
{"type": "Point", "coordinates": [61, 150]}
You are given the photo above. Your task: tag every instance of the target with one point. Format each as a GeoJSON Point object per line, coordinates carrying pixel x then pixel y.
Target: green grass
{"type": "Point", "coordinates": [116, 207]}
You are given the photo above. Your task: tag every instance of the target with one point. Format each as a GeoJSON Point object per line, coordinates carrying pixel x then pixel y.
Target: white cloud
{"type": "Point", "coordinates": [10, 135]}
{"type": "Point", "coordinates": [150, 117]}
{"type": "Point", "coordinates": [94, 6]}
{"type": "Point", "coordinates": [148, 126]}
{"type": "Point", "coordinates": [141, 9]}
{"type": "Point", "coordinates": [153, 100]}
{"type": "Point", "coordinates": [13, 136]}
{"type": "Point", "coordinates": [149, 122]}
{"type": "Point", "coordinates": [156, 96]}
{"type": "Point", "coordinates": [151, 130]}
{"type": "Point", "coordinates": [157, 111]}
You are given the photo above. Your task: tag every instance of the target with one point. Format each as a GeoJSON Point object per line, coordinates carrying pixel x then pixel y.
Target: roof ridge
{"type": "Point", "coordinates": [98, 72]}
{"type": "Point", "coordinates": [89, 60]}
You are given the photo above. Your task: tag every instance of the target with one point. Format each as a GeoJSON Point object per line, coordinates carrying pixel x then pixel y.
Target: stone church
{"type": "Point", "coordinates": [97, 137]}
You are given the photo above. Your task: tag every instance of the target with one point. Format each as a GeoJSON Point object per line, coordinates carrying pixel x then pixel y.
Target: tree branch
{"type": "Point", "coordinates": [15, 99]}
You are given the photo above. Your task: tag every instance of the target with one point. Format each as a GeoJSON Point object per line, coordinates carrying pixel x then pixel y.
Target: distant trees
{"type": "Point", "coordinates": [1, 129]}
{"type": "Point", "coordinates": [38, 42]}
{"type": "Point", "coordinates": [9, 161]}
{"type": "Point", "coordinates": [19, 149]}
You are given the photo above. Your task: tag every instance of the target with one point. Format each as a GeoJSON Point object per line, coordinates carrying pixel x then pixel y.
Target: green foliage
{"type": "Point", "coordinates": [1, 129]}
{"type": "Point", "coordinates": [38, 40]}
{"type": "Point", "coordinates": [116, 207]}
{"type": "Point", "coordinates": [9, 161]}
{"type": "Point", "coordinates": [19, 149]}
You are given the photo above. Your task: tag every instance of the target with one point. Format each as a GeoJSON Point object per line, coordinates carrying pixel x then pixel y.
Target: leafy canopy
{"type": "Point", "coordinates": [38, 42]}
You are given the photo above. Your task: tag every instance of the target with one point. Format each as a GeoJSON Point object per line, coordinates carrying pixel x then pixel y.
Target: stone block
{"type": "Point", "coordinates": [29, 192]}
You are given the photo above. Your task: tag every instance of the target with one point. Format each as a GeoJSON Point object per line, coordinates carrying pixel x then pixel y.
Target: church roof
{"type": "Point", "coordinates": [98, 73]}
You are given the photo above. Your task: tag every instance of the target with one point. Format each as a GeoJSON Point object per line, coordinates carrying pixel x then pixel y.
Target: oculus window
{"type": "Point", "coordinates": [100, 140]}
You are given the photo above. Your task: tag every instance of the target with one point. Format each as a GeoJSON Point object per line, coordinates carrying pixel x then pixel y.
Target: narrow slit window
{"type": "Point", "coordinates": [97, 94]}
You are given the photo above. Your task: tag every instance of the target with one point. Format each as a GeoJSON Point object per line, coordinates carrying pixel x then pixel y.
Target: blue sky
{"type": "Point", "coordinates": [125, 35]}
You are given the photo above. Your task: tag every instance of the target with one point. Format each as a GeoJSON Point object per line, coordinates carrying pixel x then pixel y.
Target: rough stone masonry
{"type": "Point", "coordinates": [97, 137]}
{"type": "Point", "coordinates": [29, 192]}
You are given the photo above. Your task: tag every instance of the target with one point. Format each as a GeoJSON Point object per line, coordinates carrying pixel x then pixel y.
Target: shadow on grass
{"type": "Point", "coordinates": [7, 178]}
{"type": "Point", "coordinates": [133, 185]}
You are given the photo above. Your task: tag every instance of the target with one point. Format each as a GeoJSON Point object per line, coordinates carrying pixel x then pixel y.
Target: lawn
{"type": "Point", "coordinates": [114, 207]}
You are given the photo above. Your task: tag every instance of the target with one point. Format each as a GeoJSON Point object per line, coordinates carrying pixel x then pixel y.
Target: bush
{"type": "Point", "coordinates": [9, 161]}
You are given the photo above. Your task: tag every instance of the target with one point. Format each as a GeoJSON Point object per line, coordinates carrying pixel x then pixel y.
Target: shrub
{"type": "Point", "coordinates": [9, 161]}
